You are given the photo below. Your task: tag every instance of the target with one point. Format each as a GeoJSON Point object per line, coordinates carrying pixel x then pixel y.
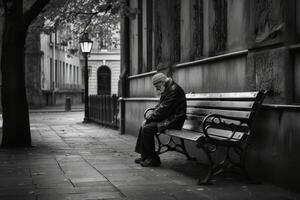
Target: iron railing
{"type": "Point", "coordinates": [103, 109]}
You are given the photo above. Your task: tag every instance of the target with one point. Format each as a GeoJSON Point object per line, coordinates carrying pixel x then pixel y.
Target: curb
{"type": "Point", "coordinates": [55, 111]}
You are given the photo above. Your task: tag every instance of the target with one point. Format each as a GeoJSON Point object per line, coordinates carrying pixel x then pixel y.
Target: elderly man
{"type": "Point", "coordinates": [169, 113]}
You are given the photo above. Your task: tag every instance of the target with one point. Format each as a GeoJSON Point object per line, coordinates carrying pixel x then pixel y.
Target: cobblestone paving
{"type": "Point", "coordinates": [70, 160]}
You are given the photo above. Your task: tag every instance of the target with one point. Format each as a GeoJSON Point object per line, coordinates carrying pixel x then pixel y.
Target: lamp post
{"type": "Point", "coordinates": [86, 47]}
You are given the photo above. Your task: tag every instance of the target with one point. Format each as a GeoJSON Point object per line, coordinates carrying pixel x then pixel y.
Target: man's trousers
{"type": "Point", "coordinates": [145, 144]}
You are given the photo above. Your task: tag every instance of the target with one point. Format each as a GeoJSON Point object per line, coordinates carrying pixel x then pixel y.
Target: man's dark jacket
{"type": "Point", "coordinates": [170, 112]}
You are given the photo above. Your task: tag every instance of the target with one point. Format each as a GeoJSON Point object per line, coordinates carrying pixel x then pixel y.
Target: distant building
{"type": "Point", "coordinates": [53, 70]}
{"type": "Point", "coordinates": [104, 68]}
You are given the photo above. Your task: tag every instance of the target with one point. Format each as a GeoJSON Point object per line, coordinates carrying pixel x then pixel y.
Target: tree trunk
{"type": "Point", "coordinates": [16, 128]}
{"type": "Point", "coordinates": [2, 18]}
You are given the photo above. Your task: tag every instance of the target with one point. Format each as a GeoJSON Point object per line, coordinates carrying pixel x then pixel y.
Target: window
{"type": "Point", "coordinates": [60, 74]}
{"type": "Point", "coordinates": [51, 73]}
{"type": "Point", "coordinates": [166, 32]}
{"type": "Point", "coordinates": [67, 74]}
{"type": "Point", "coordinates": [56, 74]}
{"type": "Point", "coordinates": [77, 75]}
{"type": "Point", "coordinates": [70, 74]}
{"type": "Point", "coordinates": [104, 80]}
{"type": "Point", "coordinates": [74, 75]}
{"type": "Point", "coordinates": [103, 43]}
{"type": "Point", "coordinates": [63, 75]}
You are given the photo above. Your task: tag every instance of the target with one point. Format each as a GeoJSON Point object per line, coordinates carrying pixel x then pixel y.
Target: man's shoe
{"type": "Point", "coordinates": [139, 160]}
{"type": "Point", "coordinates": [151, 162]}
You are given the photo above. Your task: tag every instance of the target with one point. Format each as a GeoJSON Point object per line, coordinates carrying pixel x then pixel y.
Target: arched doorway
{"type": "Point", "coordinates": [103, 80]}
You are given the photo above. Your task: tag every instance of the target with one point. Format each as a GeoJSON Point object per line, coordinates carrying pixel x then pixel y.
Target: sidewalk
{"type": "Point", "coordinates": [60, 108]}
{"type": "Point", "coordinates": [70, 160]}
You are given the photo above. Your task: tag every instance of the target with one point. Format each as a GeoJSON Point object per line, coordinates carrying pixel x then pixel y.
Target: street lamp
{"type": "Point", "coordinates": [86, 47]}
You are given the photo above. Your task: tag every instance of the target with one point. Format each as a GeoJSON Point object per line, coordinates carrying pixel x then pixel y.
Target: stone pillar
{"type": "Point", "coordinates": [123, 82]}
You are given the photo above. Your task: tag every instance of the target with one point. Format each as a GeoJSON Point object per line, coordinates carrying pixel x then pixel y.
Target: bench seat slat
{"type": "Point", "coordinates": [227, 95]}
{"type": "Point", "coordinates": [231, 113]}
{"type": "Point", "coordinates": [222, 134]}
{"type": "Point", "coordinates": [184, 134]}
{"type": "Point", "coordinates": [232, 105]}
{"type": "Point", "coordinates": [195, 136]}
{"type": "Point", "coordinates": [197, 120]}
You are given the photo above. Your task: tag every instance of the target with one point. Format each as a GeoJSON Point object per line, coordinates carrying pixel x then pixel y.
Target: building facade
{"type": "Point", "coordinates": [221, 46]}
{"type": "Point", "coordinates": [53, 70]}
{"type": "Point", "coordinates": [104, 69]}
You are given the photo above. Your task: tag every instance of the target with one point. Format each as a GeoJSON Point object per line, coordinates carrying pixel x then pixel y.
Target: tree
{"type": "Point", "coordinates": [15, 18]}
{"type": "Point", "coordinates": [16, 128]}
{"type": "Point", "coordinates": [98, 17]}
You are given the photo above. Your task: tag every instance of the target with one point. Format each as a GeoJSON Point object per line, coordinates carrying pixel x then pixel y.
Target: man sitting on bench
{"type": "Point", "coordinates": [169, 113]}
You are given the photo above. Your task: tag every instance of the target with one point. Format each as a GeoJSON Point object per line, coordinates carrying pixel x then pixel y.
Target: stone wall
{"type": "Point", "coordinates": [226, 46]}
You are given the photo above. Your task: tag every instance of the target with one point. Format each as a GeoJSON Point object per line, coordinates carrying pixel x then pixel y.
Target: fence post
{"type": "Point", "coordinates": [102, 108]}
{"type": "Point", "coordinates": [109, 110]}
{"type": "Point", "coordinates": [90, 107]}
{"type": "Point", "coordinates": [115, 110]}
{"type": "Point", "coordinates": [98, 108]}
{"type": "Point", "coordinates": [122, 115]}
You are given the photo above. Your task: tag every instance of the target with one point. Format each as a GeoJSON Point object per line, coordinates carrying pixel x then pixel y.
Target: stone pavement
{"type": "Point", "coordinates": [59, 108]}
{"type": "Point", "coordinates": [74, 161]}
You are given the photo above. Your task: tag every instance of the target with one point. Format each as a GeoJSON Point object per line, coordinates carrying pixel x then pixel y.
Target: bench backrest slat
{"type": "Point", "coordinates": [239, 105]}
{"type": "Point", "coordinates": [199, 119]}
{"type": "Point", "coordinates": [227, 95]}
{"type": "Point", "coordinates": [246, 115]}
{"type": "Point", "coordinates": [231, 105]}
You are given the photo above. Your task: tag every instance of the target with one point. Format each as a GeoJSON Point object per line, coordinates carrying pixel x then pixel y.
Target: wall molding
{"type": "Point", "coordinates": [295, 47]}
{"type": "Point", "coordinates": [142, 75]}
{"type": "Point", "coordinates": [287, 107]}
{"type": "Point", "coordinates": [213, 58]}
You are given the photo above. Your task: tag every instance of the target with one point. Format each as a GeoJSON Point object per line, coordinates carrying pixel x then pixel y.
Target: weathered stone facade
{"type": "Point", "coordinates": [100, 59]}
{"type": "Point", "coordinates": [52, 74]}
{"type": "Point", "coordinates": [224, 46]}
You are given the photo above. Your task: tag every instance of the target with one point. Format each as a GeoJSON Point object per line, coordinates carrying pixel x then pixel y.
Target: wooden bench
{"type": "Point", "coordinates": [215, 121]}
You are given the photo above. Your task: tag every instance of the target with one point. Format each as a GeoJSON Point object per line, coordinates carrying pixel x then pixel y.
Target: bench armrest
{"type": "Point", "coordinates": [218, 121]}
{"type": "Point", "coordinates": [146, 111]}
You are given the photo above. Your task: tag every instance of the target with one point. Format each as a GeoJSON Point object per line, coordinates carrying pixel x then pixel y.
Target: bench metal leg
{"type": "Point", "coordinates": [206, 180]}
{"type": "Point", "coordinates": [184, 151]}
{"type": "Point", "coordinates": [226, 163]}
{"type": "Point", "coordinates": [241, 164]}
{"type": "Point", "coordinates": [171, 145]}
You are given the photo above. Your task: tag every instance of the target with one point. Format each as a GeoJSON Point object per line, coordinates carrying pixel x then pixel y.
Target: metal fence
{"type": "Point", "coordinates": [103, 109]}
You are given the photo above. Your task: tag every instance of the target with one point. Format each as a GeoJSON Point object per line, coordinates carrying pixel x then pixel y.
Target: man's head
{"type": "Point", "coordinates": [159, 81]}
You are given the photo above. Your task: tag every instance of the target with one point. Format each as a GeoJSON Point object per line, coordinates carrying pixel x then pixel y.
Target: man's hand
{"type": "Point", "coordinates": [144, 122]}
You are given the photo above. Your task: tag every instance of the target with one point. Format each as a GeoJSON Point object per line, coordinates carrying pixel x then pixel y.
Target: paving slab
{"type": "Point", "coordinates": [70, 160]}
